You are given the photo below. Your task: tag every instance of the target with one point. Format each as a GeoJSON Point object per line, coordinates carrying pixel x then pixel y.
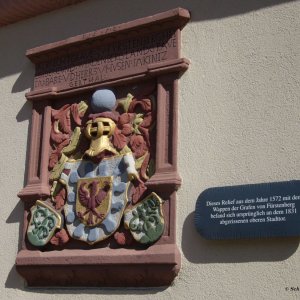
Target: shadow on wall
{"type": "Point", "coordinates": [199, 250]}
{"type": "Point", "coordinates": [19, 37]}
{"type": "Point", "coordinates": [16, 216]}
{"type": "Point", "coordinates": [14, 280]}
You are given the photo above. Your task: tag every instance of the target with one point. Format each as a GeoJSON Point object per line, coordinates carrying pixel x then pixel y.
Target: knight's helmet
{"type": "Point", "coordinates": [101, 126]}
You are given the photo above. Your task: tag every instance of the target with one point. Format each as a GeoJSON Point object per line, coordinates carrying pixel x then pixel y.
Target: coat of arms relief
{"type": "Point", "coordinates": [102, 154]}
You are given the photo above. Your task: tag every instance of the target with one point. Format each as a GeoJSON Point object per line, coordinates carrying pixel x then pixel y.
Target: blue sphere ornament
{"type": "Point", "coordinates": [103, 100]}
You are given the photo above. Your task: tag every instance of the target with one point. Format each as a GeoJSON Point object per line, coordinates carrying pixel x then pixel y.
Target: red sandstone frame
{"type": "Point", "coordinates": [158, 264]}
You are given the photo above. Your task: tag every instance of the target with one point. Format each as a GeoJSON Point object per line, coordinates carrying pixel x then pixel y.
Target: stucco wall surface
{"type": "Point", "coordinates": [239, 123]}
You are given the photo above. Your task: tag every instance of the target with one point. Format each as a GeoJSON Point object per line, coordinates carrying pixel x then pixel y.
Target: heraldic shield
{"type": "Point", "coordinates": [96, 197]}
{"type": "Point", "coordinates": [43, 223]}
{"type": "Point", "coordinates": [93, 199]}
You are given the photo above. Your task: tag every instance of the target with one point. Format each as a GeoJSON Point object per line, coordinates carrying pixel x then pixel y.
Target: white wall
{"type": "Point", "coordinates": [239, 124]}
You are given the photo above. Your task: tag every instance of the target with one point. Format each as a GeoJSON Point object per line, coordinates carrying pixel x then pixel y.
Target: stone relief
{"type": "Point", "coordinates": [101, 158]}
{"type": "Point", "coordinates": [102, 163]}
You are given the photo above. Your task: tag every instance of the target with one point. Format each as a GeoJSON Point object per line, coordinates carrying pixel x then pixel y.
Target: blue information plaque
{"type": "Point", "coordinates": [249, 211]}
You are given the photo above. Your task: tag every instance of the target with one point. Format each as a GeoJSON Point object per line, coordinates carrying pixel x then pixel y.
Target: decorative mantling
{"type": "Point", "coordinates": [103, 156]}
{"type": "Point", "coordinates": [92, 163]}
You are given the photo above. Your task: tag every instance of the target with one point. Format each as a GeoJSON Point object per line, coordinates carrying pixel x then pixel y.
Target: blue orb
{"type": "Point", "coordinates": [103, 100]}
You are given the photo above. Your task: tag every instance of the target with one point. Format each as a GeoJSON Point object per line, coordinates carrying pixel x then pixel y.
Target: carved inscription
{"type": "Point", "coordinates": [103, 62]}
